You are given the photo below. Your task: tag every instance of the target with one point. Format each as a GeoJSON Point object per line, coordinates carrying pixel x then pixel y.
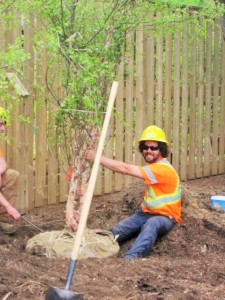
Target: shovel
{"type": "Point", "coordinates": [54, 293]}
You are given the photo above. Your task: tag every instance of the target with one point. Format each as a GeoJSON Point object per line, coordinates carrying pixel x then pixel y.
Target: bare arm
{"type": "Point", "coordinates": [3, 165]}
{"type": "Point", "coordinates": [115, 165]}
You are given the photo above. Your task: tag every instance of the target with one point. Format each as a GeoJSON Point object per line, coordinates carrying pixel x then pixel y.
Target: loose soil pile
{"type": "Point", "coordinates": [186, 264]}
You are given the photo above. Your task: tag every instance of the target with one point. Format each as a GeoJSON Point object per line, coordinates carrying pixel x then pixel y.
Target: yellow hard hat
{"type": "Point", "coordinates": [4, 115]}
{"type": "Point", "coordinates": [154, 133]}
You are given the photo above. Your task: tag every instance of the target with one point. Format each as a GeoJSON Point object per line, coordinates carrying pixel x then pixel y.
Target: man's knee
{"type": "Point", "coordinates": [13, 173]}
{"type": "Point", "coordinates": [11, 176]}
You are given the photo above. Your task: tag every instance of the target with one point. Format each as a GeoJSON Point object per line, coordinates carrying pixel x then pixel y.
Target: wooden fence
{"type": "Point", "coordinates": [173, 79]}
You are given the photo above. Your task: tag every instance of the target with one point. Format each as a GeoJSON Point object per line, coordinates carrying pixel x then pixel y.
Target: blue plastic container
{"type": "Point", "coordinates": [218, 200]}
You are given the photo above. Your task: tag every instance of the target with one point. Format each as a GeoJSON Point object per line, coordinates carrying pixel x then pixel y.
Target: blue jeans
{"type": "Point", "coordinates": [146, 227]}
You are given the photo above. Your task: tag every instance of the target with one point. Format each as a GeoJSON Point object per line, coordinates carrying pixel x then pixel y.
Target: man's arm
{"type": "Point", "coordinates": [3, 165]}
{"type": "Point", "coordinates": [115, 165]}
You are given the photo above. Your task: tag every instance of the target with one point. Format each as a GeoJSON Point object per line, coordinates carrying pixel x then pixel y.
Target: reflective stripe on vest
{"type": "Point", "coordinates": [154, 202]}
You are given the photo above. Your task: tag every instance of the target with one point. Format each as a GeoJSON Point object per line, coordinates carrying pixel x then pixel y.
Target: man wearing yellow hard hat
{"type": "Point", "coordinates": [160, 209]}
{"type": "Point", "coordinates": [8, 186]}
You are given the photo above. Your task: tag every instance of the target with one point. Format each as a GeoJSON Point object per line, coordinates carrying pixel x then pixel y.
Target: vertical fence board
{"type": "Point", "coordinates": [215, 132]}
{"type": "Point", "coordinates": [52, 179]}
{"type": "Point", "coordinates": [176, 102]}
{"type": "Point", "coordinates": [222, 114]}
{"type": "Point", "coordinates": [192, 122]}
{"type": "Point", "coordinates": [53, 166]}
{"type": "Point", "coordinates": [10, 39]}
{"type": "Point", "coordinates": [129, 82]}
{"type": "Point", "coordinates": [41, 128]}
{"type": "Point", "coordinates": [149, 74]}
{"type": "Point", "coordinates": [63, 166]}
{"type": "Point", "coordinates": [208, 96]}
{"type": "Point", "coordinates": [139, 116]}
{"type": "Point", "coordinates": [168, 88]}
{"type": "Point", "coordinates": [184, 103]}
{"type": "Point", "coordinates": [99, 182]}
{"type": "Point", "coordinates": [23, 157]}
{"type": "Point", "coordinates": [41, 154]}
{"type": "Point", "coordinates": [159, 77]}
{"type": "Point", "coordinates": [63, 185]}
{"type": "Point", "coordinates": [199, 147]}
{"type": "Point", "coordinates": [109, 150]}
{"type": "Point", "coordinates": [29, 112]}
{"type": "Point", "coordinates": [17, 151]}
{"type": "Point", "coordinates": [119, 128]}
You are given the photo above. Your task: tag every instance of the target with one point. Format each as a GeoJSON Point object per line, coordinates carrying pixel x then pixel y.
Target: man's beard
{"type": "Point", "coordinates": [153, 158]}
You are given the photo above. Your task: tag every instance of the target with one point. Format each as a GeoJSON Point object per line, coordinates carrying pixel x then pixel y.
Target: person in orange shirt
{"type": "Point", "coordinates": [8, 187]}
{"type": "Point", "coordinates": [160, 209]}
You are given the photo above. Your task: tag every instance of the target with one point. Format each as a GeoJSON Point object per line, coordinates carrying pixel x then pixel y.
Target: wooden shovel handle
{"type": "Point", "coordinates": [94, 173]}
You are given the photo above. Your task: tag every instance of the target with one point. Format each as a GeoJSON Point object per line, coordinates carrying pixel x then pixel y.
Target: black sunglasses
{"type": "Point", "coordinates": [152, 148]}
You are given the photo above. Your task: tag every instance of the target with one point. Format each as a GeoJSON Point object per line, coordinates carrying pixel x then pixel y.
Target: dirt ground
{"type": "Point", "coordinates": [186, 264]}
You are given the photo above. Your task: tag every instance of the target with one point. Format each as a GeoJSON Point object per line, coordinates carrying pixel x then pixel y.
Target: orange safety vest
{"type": "Point", "coordinates": [163, 191]}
